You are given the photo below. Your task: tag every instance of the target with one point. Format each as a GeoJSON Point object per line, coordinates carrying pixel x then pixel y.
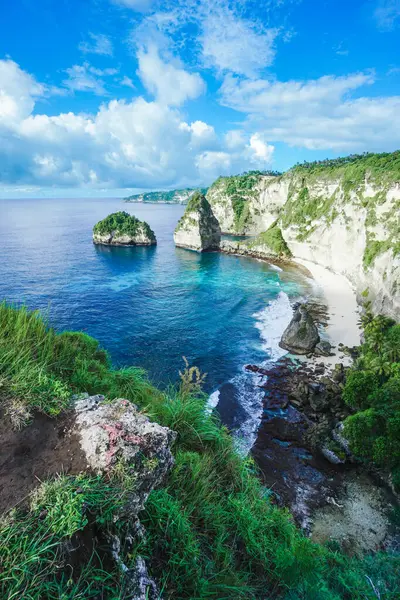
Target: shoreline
{"type": "Point", "coordinates": [336, 294]}
{"type": "Point", "coordinates": [343, 311]}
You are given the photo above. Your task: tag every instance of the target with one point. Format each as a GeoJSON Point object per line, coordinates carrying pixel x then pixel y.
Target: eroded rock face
{"type": "Point", "coordinates": [301, 335]}
{"type": "Point", "coordinates": [314, 212]}
{"type": "Point", "coordinates": [116, 431]}
{"type": "Point", "coordinates": [198, 229]}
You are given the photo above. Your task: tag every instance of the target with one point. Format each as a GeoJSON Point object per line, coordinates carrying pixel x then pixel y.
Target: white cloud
{"type": "Point", "coordinates": [230, 43]}
{"type": "Point", "coordinates": [136, 5]}
{"type": "Point", "coordinates": [100, 44]}
{"type": "Point", "coordinates": [317, 114]}
{"type": "Point", "coordinates": [127, 81]}
{"type": "Point", "coordinates": [125, 144]}
{"type": "Point", "coordinates": [171, 84]}
{"type": "Point", "coordinates": [85, 78]}
{"type": "Point", "coordinates": [261, 149]}
{"type": "Point", "coordinates": [387, 14]}
{"type": "Point", "coordinates": [223, 35]}
{"type": "Point", "coordinates": [18, 91]}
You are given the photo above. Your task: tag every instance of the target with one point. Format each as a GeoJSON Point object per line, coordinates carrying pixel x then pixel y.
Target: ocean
{"type": "Point", "coordinates": [149, 307]}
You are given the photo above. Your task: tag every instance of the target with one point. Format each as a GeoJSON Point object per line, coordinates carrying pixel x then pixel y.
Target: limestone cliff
{"type": "Point", "coordinates": [341, 214]}
{"type": "Point", "coordinates": [123, 229]}
{"type": "Point", "coordinates": [269, 245]}
{"type": "Point", "coordinates": [198, 229]}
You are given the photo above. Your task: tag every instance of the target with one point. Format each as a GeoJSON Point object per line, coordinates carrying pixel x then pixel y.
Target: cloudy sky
{"type": "Point", "coordinates": [105, 97]}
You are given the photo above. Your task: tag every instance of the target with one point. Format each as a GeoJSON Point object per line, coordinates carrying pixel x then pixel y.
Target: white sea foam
{"type": "Point", "coordinates": [212, 402]}
{"type": "Point", "coordinates": [251, 400]}
{"type": "Point", "coordinates": [272, 321]}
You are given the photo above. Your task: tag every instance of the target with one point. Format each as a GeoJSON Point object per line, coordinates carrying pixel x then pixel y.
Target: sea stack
{"type": "Point", "coordinates": [301, 335]}
{"type": "Point", "coordinates": [198, 229]}
{"type": "Point", "coordinates": [123, 229]}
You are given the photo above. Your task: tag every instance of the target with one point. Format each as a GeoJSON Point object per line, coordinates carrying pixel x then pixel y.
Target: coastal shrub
{"type": "Point", "coordinates": [381, 168]}
{"type": "Point", "coordinates": [373, 389]}
{"type": "Point", "coordinates": [274, 239]}
{"type": "Point", "coordinates": [359, 386]}
{"type": "Point", "coordinates": [122, 223]}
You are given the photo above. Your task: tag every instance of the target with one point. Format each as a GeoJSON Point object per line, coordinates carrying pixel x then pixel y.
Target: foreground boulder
{"type": "Point", "coordinates": [123, 229]}
{"type": "Point", "coordinates": [198, 229]}
{"type": "Point", "coordinates": [301, 335]}
{"type": "Point", "coordinates": [116, 432]}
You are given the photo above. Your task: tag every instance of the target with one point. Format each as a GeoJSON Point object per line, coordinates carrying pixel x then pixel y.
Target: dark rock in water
{"type": "Point", "coordinates": [301, 335]}
{"type": "Point", "coordinates": [323, 348]}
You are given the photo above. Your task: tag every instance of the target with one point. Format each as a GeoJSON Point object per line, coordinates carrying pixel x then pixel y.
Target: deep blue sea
{"type": "Point", "coordinates": [148, 306]}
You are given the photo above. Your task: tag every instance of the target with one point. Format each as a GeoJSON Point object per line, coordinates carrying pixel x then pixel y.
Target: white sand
{"type": "Point", "coordinates": [343, 310]}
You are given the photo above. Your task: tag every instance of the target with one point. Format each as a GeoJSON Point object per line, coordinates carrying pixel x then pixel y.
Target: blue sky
{"type": "Point", "coordinates": [105, 97]}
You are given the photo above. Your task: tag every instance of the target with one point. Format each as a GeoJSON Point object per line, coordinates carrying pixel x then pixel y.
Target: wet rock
{"type": "Point", "coordinates": [116, 432]}
{"type": "Point", "coordinates": [301, 335]}
{"type": "Point", "coordinates": [323, 348]}
{"type": "Point", "coordinates": [332, 456]}
{"type": "Point", "coordinates": [339, 438]}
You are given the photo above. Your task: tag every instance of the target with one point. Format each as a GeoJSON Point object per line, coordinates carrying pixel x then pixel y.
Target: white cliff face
{"type": "Point", "coordinates": [221, 204]}
{"type": "Point", "coordinates": [266, 206]}
{"type": "Point", "coordinates": [198, 229]}
{"type": "Point", "coordinates": [350, 229]}
{"type": "Point", "coordinates": [264, 203]}
{"type": "Point", "coordinates": [341, 239]}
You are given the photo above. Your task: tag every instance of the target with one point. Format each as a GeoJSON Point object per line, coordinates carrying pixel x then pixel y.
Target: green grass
{"type": "Point", "coordinates": [212, 531]}
{"type": "Point", "coordinates": [122, 223]}
{"type": "Point", "coordinates": [33, 564]}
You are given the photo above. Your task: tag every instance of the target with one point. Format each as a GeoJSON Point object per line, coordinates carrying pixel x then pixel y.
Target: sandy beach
{"type": "Point", "coordinates": [343, 310]}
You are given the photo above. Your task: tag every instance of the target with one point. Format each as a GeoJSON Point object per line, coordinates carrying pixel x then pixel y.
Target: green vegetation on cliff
{"type": "Point", "coordinates": [355, 168]}
{"type": "Point", "coordinates": [170, 196]}
{"type": "Point", "coordinates": [274, 239]}
{"type": "Point", "coordinates": [373, 389]}
{"type": "Point", "coordinates": [211, 532]}
{"type": "Point", "coordinates": [197, 203]}
{"type": "Point", "coordinates": [241, 189]}
{"type": "Point", "coordinates": [122, 223]}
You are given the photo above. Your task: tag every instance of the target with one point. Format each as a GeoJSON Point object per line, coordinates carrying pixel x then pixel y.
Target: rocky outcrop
{"type": "Point", "coordinates": [116, 432]}
{"type": "Point", "coordinates": [343, 215]}
{"type": "Point", "coordinates": [268, 245]}
{"type": "Point", "coordinates": [301, 335]}
{"type": "Point", "coordinates": [198, 229]}
{"type": "Point", "coordinates": [116, 435]}
{"type": "Point", "coordinates": [123, 229]}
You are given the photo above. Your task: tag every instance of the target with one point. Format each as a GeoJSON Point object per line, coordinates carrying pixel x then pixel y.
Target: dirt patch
{"type": "Point", "coordinates": [44, 448]}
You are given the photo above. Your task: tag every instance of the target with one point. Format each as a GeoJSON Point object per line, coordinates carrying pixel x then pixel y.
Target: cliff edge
{"type": "Point", "coordinates": [343, 214]}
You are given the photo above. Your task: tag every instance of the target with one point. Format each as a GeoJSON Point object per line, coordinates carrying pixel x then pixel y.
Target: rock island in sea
{"type": "Point", "coordinates": [123, 229]}
{"type": "Point", "coordinates": [198, 229]}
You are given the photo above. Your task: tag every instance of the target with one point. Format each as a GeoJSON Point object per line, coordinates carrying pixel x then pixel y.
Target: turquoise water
{"type": "Point", "coordinates": [147, 306]}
